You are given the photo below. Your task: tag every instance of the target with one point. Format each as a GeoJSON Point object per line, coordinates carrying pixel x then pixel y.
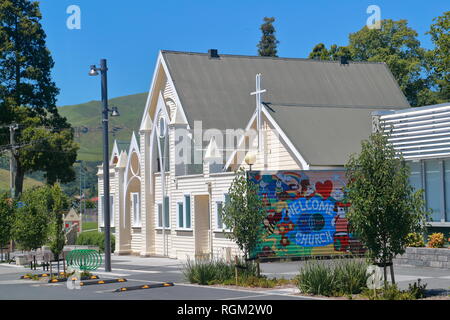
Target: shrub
{"type": "Point", "coordinates": [392, 292]}
{"type": "Point", "coordinates": [216, 271]}
{"type": "Point", "coordinates": [206, 272]}
{"type": "Point", "coordinates": [417, 290]}
{"type": "Point", "coordinates": [436, 240]}
{"type": "Point", "coordinates": [414, 240]}
{"type": "Point", "coordinates": [351, 276]}
{"type": "Point", "coordinates": [316, 278]}
{"type": "Point", "coordinates": [95, 239]}
{"type": "Point", "coordinates": [344, 277]}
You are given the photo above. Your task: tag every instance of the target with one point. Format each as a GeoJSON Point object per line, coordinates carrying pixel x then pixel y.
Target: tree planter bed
{"type": "Point", "coordinates": [425, 257]}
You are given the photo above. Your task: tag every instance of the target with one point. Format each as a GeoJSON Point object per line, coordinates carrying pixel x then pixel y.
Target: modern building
{"type": "Point", "coordinates": [205, 112]}
{"type": "Point", "coordinates": [422, 135]}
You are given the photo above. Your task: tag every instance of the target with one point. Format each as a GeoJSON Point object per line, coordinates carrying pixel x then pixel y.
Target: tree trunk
{"type": "Point", "coordinates": [392, 272]}
{"type": "Point", "coordinates": [18, 179]}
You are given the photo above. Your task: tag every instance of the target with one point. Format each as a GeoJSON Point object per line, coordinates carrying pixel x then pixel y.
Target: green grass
{"type": "Point", "coordinates": [88, 115]}
{"type": "Point", "coordinates": [90, 226]}
{"type": "Point", "coordinates": [4, 181]}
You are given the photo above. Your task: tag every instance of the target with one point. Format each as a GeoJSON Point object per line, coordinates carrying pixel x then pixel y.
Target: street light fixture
{"type": "Point", "coordinates": [93, 71]}
{"type": "Point", "coordinates": [106, 201]}
{"type": "Point", "coordinates": [250, 159]}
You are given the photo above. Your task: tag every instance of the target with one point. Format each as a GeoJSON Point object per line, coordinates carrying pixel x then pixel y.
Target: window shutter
{"type": "Point", "coordinates": [188, 210]}
{"type": "Point", "coordinates": [180, 215]}
{"type": "Point", "coordinates": [159, 215]}
{"type": "Point", "coordinates": [167, 211]}
{"type": "Point", "coordinates": [219, 215]}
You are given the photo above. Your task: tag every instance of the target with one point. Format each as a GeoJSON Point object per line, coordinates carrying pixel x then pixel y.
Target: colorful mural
{"type": "Point", "coordinates": [305, 214]}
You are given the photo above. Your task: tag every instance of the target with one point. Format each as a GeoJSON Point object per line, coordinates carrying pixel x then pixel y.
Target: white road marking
{"type": "Point", "coordinates": [267, 293]}
{"type": "Point", "coordinates": [401, 278]}
{"type": "Point", "coordinates": [15, 282]}
{"type": "Point", "coordinates": [138, 271]}
{"type": "Point", "coordinates": [244, 297]}
{"type": "Point", "coordinates": [111, 274]}
{"type": "Point", "coordinates": [10, 265]}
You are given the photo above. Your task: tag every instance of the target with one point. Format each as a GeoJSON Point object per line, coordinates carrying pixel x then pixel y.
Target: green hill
{"type": "Point", "coordinates": [4, 181]}
{"type": "Point", "coordinates": [87, 116]}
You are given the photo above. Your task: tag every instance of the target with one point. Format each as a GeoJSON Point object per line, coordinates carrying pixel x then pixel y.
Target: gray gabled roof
{"type": "Point", "coordinates": [122, 145]}
{"type": "Point", "coordinates": [217, 92]}
{"type": "Point", "coordinates": [324, 136]}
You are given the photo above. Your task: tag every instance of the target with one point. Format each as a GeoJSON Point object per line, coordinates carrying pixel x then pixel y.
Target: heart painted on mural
{"type": "Point", "coordinates": [324, 189]}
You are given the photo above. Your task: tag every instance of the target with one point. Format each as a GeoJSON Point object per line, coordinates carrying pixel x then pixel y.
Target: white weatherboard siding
{"type": "Point", "coordinates": [420, 133]}
{"type": "Point", "coordinates": [204, 234]}
{"type": "Point", "coordinates": [181, 242]}
{"type": "Point", "coordinates": [136, 240]}
{"type": "Point", "coordinates": [275, 154]}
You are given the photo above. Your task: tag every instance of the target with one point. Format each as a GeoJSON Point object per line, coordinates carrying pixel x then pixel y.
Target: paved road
{"type": "Point", "coordinates": [140, 271]}
{"type": "Point", "coordinates": [137, 271]}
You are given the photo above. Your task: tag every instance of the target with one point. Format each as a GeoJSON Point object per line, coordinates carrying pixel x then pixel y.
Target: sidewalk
{"type": "Point", "coordinates": [435, 278]}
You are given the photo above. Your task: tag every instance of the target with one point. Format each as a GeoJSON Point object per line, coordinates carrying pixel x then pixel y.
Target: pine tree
{"type": "Point", "coordinates": [267, 46]}
{"type": "Point", "coordinates": [28, 96]}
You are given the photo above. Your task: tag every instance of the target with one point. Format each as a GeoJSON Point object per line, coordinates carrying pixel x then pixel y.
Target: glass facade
{"type": "Point", "coordinates": [415, 179]}
{"type": "Point", "coordinates": [447, 189]}
{"type": "Point", "coordinates": [433, 194]}
{"type": "Point", "coordinates": [434, 177]}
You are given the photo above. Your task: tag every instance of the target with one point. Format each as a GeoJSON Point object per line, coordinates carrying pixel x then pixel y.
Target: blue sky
{"type": "Point", "coordinates": [130, 33]}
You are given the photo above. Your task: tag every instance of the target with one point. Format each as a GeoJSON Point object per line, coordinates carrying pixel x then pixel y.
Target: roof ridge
{"type": "Point", "coordinates": [269, 58]}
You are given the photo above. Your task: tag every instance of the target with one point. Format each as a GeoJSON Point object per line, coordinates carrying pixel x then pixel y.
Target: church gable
{"type": "Point", "coordinates": [275, 153]}
{"type": "Point", "coordinates": [161, 85]}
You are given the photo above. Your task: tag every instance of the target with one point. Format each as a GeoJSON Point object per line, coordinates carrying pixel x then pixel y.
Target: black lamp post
{"type": "Point", "coordinates": [114, 113]}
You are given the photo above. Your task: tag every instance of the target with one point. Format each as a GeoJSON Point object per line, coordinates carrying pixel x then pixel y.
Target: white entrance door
{"type": "Point", "coordinates": [201, 225]}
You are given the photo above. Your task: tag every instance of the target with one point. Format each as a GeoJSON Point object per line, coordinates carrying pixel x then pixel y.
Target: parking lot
{"type": "Point", "coordinates": [137, 271]}
{"type": "Point", "coordinates": [140, 271]}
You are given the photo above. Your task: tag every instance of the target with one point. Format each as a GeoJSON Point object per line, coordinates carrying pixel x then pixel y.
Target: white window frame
{"type": "Point", "coordinates": [136, 216]}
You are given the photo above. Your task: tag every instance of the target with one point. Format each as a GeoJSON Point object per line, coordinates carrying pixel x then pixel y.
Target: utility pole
{"type": "Point", "coordinates": [12, 170]}
{"type": "Point", "coordinates": [12, 160]}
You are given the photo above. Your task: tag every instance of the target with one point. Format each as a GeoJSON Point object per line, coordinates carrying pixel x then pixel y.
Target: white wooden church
{"type": "Point", "coordinates": [205, 113]}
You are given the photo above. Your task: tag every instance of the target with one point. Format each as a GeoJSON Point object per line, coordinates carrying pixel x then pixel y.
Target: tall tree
{"type": "Point", "coordinates": [395, 44]}
{"type": "Point", "coordinates": [58, 202]}
{"type": "Point", "coordinates": [28, 96]}
{"type": "Point", "coordinates": [320, 52]}
{"type": "Point", "coordinates": [385, 208]}
{"type": "Point", "coordinates": [439, 58]}
{"type": "Point", "coordinates": [6, 220]}
{"type": "Point", "coordinates": [267, 46]}
{"type": "Point", "coordinates": [32, 221]}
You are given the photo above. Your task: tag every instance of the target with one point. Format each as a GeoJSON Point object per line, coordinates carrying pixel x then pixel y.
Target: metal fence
{"type": "Point", "coordinates": [90, 215]}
